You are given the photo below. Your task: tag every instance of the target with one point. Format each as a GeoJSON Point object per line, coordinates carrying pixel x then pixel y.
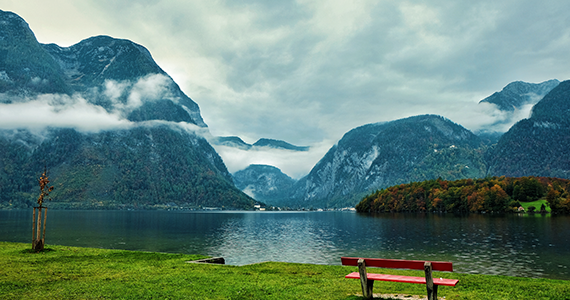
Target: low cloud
{"type": "Point", "coordinates": [487, 117]}
{"type": "Point", "coordinates": [78, 110]}
{"type": "Point", "coordinates": [295, 164]}
{"type": "Point", "coordinates": [54, 110]}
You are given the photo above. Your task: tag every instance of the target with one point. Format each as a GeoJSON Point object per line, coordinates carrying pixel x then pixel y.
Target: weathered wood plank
{"type": "Point", "coordinates": [404, 279]}
{"type": "Point", "coordinates": [398, 263]}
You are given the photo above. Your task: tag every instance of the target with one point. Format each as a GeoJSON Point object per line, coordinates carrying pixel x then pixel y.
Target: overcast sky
{"type": "Point", "coordinates": [309, 71]}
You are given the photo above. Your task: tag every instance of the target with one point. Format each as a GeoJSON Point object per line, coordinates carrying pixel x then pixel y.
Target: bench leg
{"type": "Point", "coordinates": [367, 285]}
{"type": "Point", "coordinates": [431, 288]}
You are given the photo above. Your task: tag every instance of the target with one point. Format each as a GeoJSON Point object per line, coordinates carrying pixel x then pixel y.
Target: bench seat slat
{"type": "Point", "coordinates": [405, 279]}
{"type": "Point", "coordinates": [398, 263]}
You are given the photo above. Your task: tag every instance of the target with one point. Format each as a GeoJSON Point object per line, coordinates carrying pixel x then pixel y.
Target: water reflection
{"type": "Point", "coordinates": [289, 237]}
{"type": "Point", "coordinates": [509, 245]}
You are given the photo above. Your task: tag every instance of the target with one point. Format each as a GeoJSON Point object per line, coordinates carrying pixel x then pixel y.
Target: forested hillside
{"type": "Point", "coordinates": [495, 194]}
{"type": "Point", "coordinates": [145, 167]}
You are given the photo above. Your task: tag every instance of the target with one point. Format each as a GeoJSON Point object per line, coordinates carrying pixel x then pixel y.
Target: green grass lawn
{"type": "Point", "coordinates": [536, 204]}
{"type": "Point", "coordinates": [86, 273]}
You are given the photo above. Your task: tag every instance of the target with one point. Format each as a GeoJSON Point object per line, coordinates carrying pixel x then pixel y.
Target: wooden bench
{"type": "Point", "coordinates": [367, 280]}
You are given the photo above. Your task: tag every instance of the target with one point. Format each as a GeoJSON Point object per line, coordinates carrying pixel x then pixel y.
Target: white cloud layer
{"type": "Point", "coordinates": [76, 111]}
{"type": "Point", "coordinates": [58, 111]}
{"type": "Point", "coordinates": [308, 71]}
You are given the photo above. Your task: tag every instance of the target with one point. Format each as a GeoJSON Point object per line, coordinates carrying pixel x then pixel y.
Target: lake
{"type": "Point", "coordinates": [529, 246]}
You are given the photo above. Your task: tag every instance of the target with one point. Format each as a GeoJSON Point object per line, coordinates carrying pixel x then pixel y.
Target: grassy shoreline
{"type": "Point", "coordinates": [86, 273]}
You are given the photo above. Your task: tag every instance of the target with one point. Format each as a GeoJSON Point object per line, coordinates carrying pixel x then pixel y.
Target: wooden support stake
{"type": "Point", "coordinates": [367, 285]}
{"type": "Point", "coordinates": [431, 288]}
{"type": "Point", "coordinates": [39, 224]}
{"type": "Point", "coordinates": [33, 229]}
{"type": "Point", "coordinates": [44, 233]}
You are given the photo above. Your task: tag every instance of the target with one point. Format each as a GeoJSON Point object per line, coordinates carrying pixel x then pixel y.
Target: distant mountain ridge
{"type": "Point", "coordinates": [237, 142]}
{"type": "Point", "coordinates": [264, 183]}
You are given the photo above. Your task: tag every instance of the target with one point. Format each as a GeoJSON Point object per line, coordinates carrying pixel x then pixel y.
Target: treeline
{"type": "Point", "coordinates": [493, 194]}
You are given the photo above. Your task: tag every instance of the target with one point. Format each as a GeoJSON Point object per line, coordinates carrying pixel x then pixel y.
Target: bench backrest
{"type": "Point", "coordinates": [398, 263]}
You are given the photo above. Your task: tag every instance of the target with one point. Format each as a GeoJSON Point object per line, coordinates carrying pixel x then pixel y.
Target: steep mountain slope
{"type": "Point", "coordinates": [379, 155]}
{"type": "Point", "coordinates": [538, 146]}
{"type": "Point", "coordinates": [156, 156]}
{"type": "Point", "coordinates": [264, 183]}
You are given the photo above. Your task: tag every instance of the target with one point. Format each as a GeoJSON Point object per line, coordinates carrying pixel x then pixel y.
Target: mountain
{"type": "Point", "coordinates": [231, 141]}
{"type": "Point", "coordinates": [277, 144]}
{"type": "Point", "coordinates": [264, 183]}
{"type": "Point", "coordinates": [157, 156]}
{"type": "Point", "coordinates": [517, 94]}
{"type": "Point", "coordinates": [539, 145]}
{"type": "Point", "coordinates": [378, 155]}
{"type": "Point", "coordinates": [237, 142]}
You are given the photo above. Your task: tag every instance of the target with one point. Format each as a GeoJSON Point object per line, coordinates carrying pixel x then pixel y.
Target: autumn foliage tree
{"type": "Point", "coordinates": [492, 194]}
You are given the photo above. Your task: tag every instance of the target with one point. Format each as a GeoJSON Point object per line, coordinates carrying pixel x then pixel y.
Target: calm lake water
{"type": "Point", "coordinates": [530, 246]}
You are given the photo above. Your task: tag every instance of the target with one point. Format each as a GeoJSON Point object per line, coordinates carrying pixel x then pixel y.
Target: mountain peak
{"type": "Point", "coordinates": [231, 141]}
{"type": "Point", "coordinates": [26, 67]}
{"type": "Point", "coordinates": [278, 144]}
{"type": "Point", "coordinates": [518, 93]}
{"type": "Point", "coordinates": [101, 58]}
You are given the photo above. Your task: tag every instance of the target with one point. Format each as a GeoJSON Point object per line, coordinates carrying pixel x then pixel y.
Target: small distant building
{"type": "Point", "coordinates": [211, 208]}
{"type": "Point", "coordinates": [258, 207]}
{"type": "Point", "coordinates": [521, 209]}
